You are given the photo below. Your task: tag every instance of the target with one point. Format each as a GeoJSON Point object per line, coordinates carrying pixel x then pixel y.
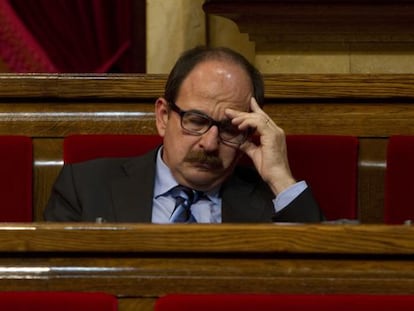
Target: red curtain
{"type": "Point", "coordinates": [70, 35]}
{"type": "Point", "coordinates": [19, 50]}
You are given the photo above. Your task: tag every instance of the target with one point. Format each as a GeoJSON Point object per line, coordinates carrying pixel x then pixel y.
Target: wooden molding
{"type": "Point", "coordinates": [141, 262]}
{"type": "Point", "coordinates": [270, 22]}
{"type": "Point", "coordinates": [147, 87]}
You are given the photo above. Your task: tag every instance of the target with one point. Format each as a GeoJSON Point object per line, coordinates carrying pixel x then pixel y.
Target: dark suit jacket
{"type": "Point", "coordinates": [121, 190]}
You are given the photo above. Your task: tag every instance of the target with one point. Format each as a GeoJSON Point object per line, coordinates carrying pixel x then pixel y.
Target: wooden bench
{"type": "Point", "coordinates": [49, 107]}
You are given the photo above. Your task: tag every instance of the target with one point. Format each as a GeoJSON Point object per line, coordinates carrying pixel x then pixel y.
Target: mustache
{"type": "Point", "coordinates": [202, 157]}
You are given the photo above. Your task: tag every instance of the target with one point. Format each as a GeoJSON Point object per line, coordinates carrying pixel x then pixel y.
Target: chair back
{"type": "Point", "coordinates": [83, 147]}
{"type": "Point", "coordinates": [54, 300]}
{"type": "Point", "coordinates": [329, 164]}
{"type": "Point", "coordinates": [399, 180]}
{"type": "Point", "coordinates": [284, 302]}
{"type": "Point", "coordinates": [16, 184]}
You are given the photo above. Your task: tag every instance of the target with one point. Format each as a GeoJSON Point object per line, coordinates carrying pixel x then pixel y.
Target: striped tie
{"type": "Point", "coordinates": [184, 198]}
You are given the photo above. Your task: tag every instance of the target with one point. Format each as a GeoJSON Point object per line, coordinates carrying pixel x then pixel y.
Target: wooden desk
{"type": "Point", "coordinates": [140, 262]}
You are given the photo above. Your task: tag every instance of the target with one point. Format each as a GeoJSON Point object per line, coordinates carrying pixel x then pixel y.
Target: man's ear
{"type": "Point", "coordinates": [161, 115]}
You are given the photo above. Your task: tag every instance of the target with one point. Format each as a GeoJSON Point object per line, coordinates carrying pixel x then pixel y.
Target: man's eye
{"type": "Point", "coordinates": [197, 120]}
{"type": "Point", "coordinates": [229, 128]}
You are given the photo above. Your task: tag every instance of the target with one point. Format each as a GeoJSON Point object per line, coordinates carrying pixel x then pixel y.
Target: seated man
{"type": "Point", "coordinates": [210, 111]}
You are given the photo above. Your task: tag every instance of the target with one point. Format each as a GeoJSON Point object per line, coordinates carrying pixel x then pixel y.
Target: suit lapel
{"type": "Point", "coordinates": [132, 193]}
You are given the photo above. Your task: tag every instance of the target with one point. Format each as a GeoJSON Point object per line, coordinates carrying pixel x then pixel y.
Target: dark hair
{"type": "Point", "coordinates": [189, 59]}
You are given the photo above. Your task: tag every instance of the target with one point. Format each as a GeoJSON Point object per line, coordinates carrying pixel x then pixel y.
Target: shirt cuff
{"type": "Point", "coordinates": [288, 195]}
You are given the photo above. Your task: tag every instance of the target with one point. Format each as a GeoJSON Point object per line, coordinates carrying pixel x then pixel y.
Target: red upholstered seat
{"type": "Point", "coordinates": [399, 180]}
{"type": "Point", "coordinates": [78, 148]}
{"type": "Point", "coordinates": [329, 164]}
{"type": "Point", "coordinates": [57, 301]}
{"type": "Point", "coordinates": [16, 170]}
{"type": "Point", "coordinates": [283, 302]}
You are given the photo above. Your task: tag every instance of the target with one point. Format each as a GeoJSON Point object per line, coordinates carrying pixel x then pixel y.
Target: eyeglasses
{"type": "Point", "coordinates": [197, 123]}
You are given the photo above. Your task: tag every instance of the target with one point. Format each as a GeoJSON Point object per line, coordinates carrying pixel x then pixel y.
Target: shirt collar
{"type": "Point", "coordinates": [164, 179]}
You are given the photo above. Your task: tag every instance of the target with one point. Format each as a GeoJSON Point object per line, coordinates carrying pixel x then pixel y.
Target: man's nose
{"type": "Point", "coordinates": [210, 140]}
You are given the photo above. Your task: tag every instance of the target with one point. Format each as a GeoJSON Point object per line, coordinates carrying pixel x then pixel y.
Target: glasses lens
{"type": "Point", "coordinates": [231, 134]}
{"type": "Point", "coordinates": [195, 122]}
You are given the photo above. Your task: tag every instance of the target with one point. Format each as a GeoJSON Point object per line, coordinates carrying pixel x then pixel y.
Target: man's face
{"type": "Point", "coordinates": [203, 161]}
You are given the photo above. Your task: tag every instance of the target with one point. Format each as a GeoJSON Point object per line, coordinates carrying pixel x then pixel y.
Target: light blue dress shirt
{"type": "Point", "coordinates": [208, 209]}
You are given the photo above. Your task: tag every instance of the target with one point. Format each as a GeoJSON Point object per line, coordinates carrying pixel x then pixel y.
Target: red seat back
{"type": "Point", "coordinates": [284, 302]}
{"type": "Point", "coordinates": [329, 164]}
{"type": "Point", "coordinates": [53, 301]}
{"type": "Point", "coordinates": [16, 170]}
{"type": "Point", "coordinates": [78, 148]}
{"type": "Point", "coordinates": [399, 182]}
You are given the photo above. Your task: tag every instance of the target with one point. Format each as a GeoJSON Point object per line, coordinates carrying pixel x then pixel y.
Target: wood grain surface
{"type": "Point", "coordinates": [282, 238]}
{"type": "Point", "coordinates": [139, 263]}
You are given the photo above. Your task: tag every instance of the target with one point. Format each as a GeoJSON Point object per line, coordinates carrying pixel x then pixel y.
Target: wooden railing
{"type": "Point", "coordinates": [140, 262]}
{"type": "Point", "coordinates": [49, 107]}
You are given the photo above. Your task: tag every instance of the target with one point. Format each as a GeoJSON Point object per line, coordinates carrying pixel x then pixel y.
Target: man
{"type": "Point", "coordinates": [207, 118]}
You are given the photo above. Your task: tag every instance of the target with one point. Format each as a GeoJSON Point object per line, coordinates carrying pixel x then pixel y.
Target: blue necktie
{"type": "Point", "coordinates": [184, 198]}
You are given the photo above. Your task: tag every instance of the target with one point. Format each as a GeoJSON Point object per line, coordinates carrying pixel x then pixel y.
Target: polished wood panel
{"type": "Point", "coordinates": [140, 262]}
{"type": "Point", "coordinates": [149, 86]}
{"type": "Point", "coordinates": [47, 165]}
{"type": "Point", "coordinates": [357, 86]}
{"type": "Point", "coordinates": [85, 86]}
{"type": "Point", "coordinates": [47, 107]}
{"type": "Point", "coordinates": [371, 177]}
{"type": "Point", "coordinates": [282, 238]}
